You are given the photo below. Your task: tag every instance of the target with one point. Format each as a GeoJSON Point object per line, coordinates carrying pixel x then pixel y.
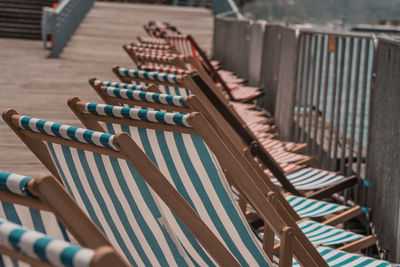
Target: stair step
{"type": "Point", "coordinates": [20, 25]}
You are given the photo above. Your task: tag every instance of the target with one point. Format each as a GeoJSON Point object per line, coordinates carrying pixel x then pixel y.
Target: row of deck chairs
{"type": "Point", "coordinates": [166, 173]}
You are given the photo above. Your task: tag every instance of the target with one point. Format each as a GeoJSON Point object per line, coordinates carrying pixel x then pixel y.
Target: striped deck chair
{"type": "Point", "coordinates": [125, 120]}
{"type": "Point", "coordinates": [216, 233]}
{"type": "Point", "coordinates": [39, 203]}
{"type": "Point", "coordinates": [170, 83]}
{"type": "Point", "coordinates": [38, 249]}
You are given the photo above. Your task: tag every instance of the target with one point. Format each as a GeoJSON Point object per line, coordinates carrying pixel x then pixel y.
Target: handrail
{"type": "Point", "coordinates": [61, 23]}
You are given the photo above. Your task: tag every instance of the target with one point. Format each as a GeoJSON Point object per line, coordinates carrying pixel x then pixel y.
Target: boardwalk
{"type": "Point", "coordinates": [37, 86]}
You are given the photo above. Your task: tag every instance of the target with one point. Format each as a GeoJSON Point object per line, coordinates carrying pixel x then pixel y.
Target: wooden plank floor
{"type": "Point", "coordinates": [38, 86]}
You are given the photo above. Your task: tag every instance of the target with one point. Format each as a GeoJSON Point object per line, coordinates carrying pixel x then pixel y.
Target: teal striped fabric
{"type": "Point", "coordinates": [121, 204]}
{"type": "Point", "coordinates": [305, 207]}
{"type": "Point", "coordinates": [155, 76]}
{"type": "Point", "coordinates": [129, 86]}
{"type": "Point", "coordinates": [145, 96]}
{"type": "Point", "coordinates": [138, 114]}
{"type": "Point", "coordinates": [66, 131]}
{"type": "Point", "coordinates": [309, 208]}
{"type": "Point", "coordinates": [14, 183]}
{"type": "Point", "coordinates": [42, 247]}
{"type": "Point", "coordinates": [192, 168]}
{"type": "Point", "coordinates": [337, 258]}
{"type": "Point", "coordinates": [41, 221]}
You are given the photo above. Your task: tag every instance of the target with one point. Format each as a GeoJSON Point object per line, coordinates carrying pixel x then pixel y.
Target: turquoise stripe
{"type": "Point", "coordinates": [25, 122]}
{"type": "Point", "coordinates": [142, 96]}
{"type": "Point", "coordinates": [178, 119]}
{"type": "Point", "coordinates": [91, 107]}
{"type": "Point", "coordinates": [11, 213]}
{"type": "Point", "coordinates": [40, 247]}
{"type": "Point", "coordinates": [71, 133]}
{"type": "Point", "coordinates": [37, 220]}
{"type": "Point", "coordinates": [15, 237]}
{"type": "Point", "coordinates": [142, 113]}
{"type": "Point", "coordinates": [55, 128]}
{"type": "Point", "coordinates": [177, 91]}
{"type": "Point", "coordinates": [3, 181]}
{"type": "Point", "coordinates": [223, 195]}
{"type": "Point", "coordinates": [160, 117]}
{"type": "Point", "coordinates": [68, 254]}
{"type": "Point", "coordinates": [169, 100]}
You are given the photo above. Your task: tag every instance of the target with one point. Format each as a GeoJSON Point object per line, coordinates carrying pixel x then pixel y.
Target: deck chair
{"type": "Point", "coordinates": [38, 249]}
{"type": "Point", "coordinates": [91, 114]}
{"type": "Point", "coordinates": [225, 239]}
{"type": "Point", "coordinates": [115, 96]}
{"type": "Point", "coordinates": [41, 204]}
{"type": "Point", "coordinates": [231, 120]}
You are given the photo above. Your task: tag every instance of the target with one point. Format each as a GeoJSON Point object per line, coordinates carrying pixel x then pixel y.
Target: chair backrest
{"type": "Point", "coordinates": [185, 159]}
{"type": "Point", "coordinates": [108, 184]}
{"type": "Point", "coordinates": [39, 249]}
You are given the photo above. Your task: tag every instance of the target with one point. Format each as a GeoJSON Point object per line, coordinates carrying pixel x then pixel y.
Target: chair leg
{"type": "Point", "coordinates": [268, 241]}
{"type": "Point", "coordinates": [286, 250]}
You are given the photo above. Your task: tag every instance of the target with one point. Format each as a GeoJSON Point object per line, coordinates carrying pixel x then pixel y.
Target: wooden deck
{"type": "Point", "coordinates": [38, 86]}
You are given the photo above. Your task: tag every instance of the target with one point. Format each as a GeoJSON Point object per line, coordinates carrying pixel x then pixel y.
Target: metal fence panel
{"type": "Point", "coordinates": [332, 96]}
{"type": "Point", "coordinates": [383, 168]}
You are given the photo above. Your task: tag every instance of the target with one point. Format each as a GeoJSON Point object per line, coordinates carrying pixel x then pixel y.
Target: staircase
{"type": "Point", "coordinates": [22, 18]}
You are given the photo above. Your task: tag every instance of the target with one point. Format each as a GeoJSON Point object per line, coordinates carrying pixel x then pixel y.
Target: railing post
{"type": "Point", "coordinates": [256, 35]}
{"type": "Point", "coordinates": [383, 155]}
{"type": "Point", "coordinates": [271, 50]}
{"type": "Point", "coordinates": [286, 85]}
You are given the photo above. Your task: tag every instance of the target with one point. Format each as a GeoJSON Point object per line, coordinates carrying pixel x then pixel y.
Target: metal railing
{"type": "Point", "coordinates": [61, 23]}
{"type": "Point", "coordinates": [333, 87]}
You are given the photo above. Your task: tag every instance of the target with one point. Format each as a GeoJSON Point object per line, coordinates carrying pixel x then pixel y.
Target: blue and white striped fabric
{"type": "Point", "coordinates": [14, 183]}
{"type": "Point", "coordinates": [304, 207]}
{"type": "Point", "coordinates": [191, 167]}
{"type": "Point", "coordinates": [138, 114]}
{"type": "Point", "coordinates": [311, 178]}
{"type": "Point", "coordinates": [337, 258]}
{"type": "Point", "coordinates": [327, 235]}
{"type": "Point", "coordinates": [309, 208]}
{"type": "Point", "coordinates": [145, 96]}
{"type": "Point", "coordinates": [130, 86]}
{"type": "Point", "coordinates": [38, 246]}
{"type": "Point", "coordinates": [155, 76]}
{"type": "Point", "coordinates": [117, 199]}
{"type": "Point", "coordinates": [67, 132]}
{"type": "Point", "coordinates": [41, 221]}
